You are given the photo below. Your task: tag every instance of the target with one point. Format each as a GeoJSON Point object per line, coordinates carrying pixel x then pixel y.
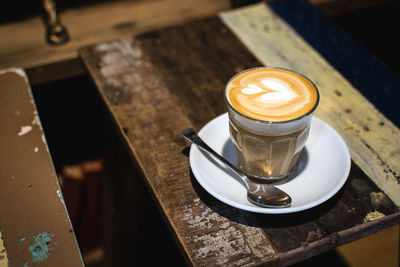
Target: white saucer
{"type": "Point", "coordinates": [323, 168]}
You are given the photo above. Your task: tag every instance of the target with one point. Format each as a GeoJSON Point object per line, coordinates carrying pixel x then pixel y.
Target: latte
{"type": "Point", "coordinates": [271, 94]}
{"type": "Point", "coordinates": [269, 119]}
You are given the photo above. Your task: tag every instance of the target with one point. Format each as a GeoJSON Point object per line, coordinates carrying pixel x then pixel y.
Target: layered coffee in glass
{"type": "Point", "coordinates": [270, 112]}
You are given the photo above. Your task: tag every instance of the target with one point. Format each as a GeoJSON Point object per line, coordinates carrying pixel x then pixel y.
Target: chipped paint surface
{"type": "Point", "coordinates": [45, 143]}
{"type": "Point", "coordinates": [3, 252]}
{"type": "Point", "coordinates": [115, 57]}
{"type": "Point", "coordinates": [30, 205]}
{"type": "Point", "coordinates": [377, 198]}
{"type": "Point", "coordinates": [223, 239]}
{"type": "Point", "coordinates": [373, 216]}
{"type": "Point", "coordinates": [40, 249]}
{"type": "Point", "coordinates": [24, 130]}
{"type": "Point", "coordinates": [60, 195]}
{"type": "Point", "coordinates": [17, 71]}
{"type": "Point", "coordinates": [36, 121]}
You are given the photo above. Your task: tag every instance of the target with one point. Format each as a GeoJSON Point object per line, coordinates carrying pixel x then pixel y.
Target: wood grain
{"type": "Point", "coordinates": [374, 141]}
{"type": "Point", "coordinates": [158, 83]}
{"type": "Point", "coordinates": [124, 66]}
{"type": "Point", "coordinates": [23, 43]}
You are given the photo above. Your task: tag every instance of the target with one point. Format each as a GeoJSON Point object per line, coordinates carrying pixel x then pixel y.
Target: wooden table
{"type": "Point", "coordinates": [158, 83]}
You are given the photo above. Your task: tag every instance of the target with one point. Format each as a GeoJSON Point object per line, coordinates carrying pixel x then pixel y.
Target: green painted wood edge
{"type": "Point", "coordinates": [373, 140]}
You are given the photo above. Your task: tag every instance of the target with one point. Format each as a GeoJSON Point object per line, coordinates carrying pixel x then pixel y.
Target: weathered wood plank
{"type": "Point", "coordinates": [374, 141]}
{"type": "Point", "coordinates": [159, 83]}
{"type": "Point", "coordinates": [25, 45]}
{"type": "Point", "coordinates": [155, 97]}
{"type": "Point", "coordinates": [355, 63]}
{"type": "Point", "coordinates": [354, 205]}
{"type": "Point", "coordinates": [33, 217]}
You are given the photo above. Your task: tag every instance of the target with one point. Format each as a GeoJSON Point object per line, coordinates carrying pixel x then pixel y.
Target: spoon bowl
{"type": "Point", "coordinates": [260, 194]}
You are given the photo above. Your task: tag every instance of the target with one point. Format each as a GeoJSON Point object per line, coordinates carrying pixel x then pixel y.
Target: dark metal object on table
{"type": "Point", "coordinates": [56, 33]}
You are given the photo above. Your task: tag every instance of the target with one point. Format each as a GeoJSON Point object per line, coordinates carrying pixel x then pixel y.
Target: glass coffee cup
{"type": "Point", "coordinates": [270, 111]}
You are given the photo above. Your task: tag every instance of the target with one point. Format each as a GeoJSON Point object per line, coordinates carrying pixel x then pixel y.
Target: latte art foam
{"type": "Point", "coordinates": [271, 94]}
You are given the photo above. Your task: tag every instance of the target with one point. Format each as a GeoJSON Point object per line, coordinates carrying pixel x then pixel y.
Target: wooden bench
{"type": "Point", "coordinates": [34, 224]}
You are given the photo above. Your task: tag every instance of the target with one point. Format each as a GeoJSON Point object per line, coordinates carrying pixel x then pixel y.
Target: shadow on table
{"type": "Point", "coordinates": [346, 209]}
{"type": "Point", "coordinates": [264, 220]}
{"type": "Point", "coordinates": [256, 219]}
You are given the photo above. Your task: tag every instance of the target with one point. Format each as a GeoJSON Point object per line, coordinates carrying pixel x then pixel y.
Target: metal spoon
{"type": "Point", "coordinates": [264, 195]}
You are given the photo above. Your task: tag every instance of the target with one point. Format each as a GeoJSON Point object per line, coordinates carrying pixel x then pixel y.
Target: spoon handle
{"type": "Point", "coordinates": [263, 195]}
{"type": "Point", "coordinates": [191, 135]}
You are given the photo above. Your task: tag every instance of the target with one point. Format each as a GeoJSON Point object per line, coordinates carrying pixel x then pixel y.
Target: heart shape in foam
{"type": "Point", "coordinates": [274, 91]}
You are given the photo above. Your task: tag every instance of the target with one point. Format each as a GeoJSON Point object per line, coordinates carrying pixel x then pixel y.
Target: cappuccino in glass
{"type": "Point", "coordinates": [270, 113]}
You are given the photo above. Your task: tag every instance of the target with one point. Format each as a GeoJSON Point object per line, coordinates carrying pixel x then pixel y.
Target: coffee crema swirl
{"type": "Point", "coordinates": [271, 94]}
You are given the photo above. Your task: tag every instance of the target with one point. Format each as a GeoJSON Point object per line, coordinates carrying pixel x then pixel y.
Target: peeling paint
{"type": "Point", "coordinates": [24, 130]}
{"type": "Point", "coordinates": [3, 252]}
{"type": "Point", "coordinates": [223, 239]}
{"type": "Point", "coordinates": [377, 198]}
{"type": "Point", "coordinates": [40, 250]}
{"type": "Point", "coordinates": [371, 216]}
{"type": "Point", "coordinates": [125, 46]}
{"type": "Point", "coordinates": [17, 71]}
{"type": "Point", "coordinates": [60, 195]}
{"type": "Point", "coordinates": [36, 121]}
{"type": "Point", "coordinates": [115, 57]}
{"type": "Point", "coordinates": [45, 143]}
